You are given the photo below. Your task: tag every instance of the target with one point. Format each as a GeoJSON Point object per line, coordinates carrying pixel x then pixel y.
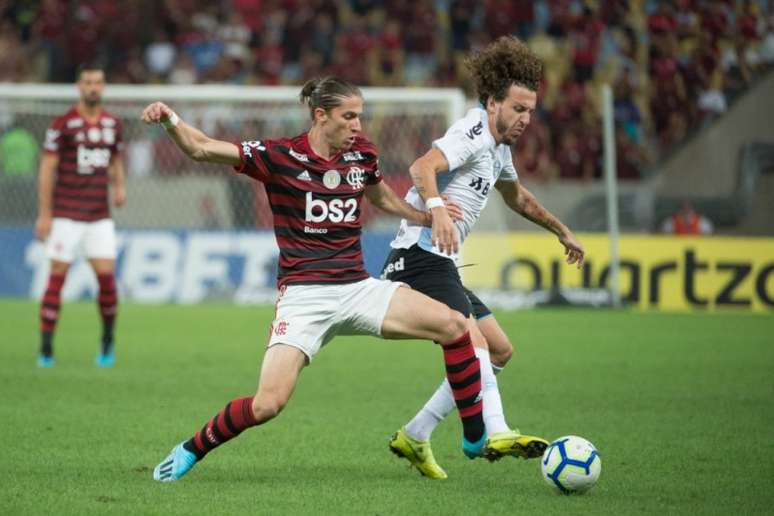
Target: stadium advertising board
{"type": "Point", "coordinates": [166, 266]}
{"type": "Point", "coordinates": [657, 272]}
{"type": "Point", "coordinates": [662, 273]}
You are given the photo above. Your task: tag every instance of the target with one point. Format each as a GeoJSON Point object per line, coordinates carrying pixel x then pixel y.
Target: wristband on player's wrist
{"type": "Point", "coordinates": [171, 122]}
{"type": "Point", "coordinates": [434, 202]}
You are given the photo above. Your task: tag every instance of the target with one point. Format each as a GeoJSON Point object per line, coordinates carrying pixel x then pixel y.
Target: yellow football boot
{"type": "Point", "coordinates": [513, 444]}
{"type": "Point", "coordinates": [418, 453]}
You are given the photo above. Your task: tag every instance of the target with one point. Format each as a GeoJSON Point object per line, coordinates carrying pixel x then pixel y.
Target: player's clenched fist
{"type": "Point", "coordinates": [156, 113]}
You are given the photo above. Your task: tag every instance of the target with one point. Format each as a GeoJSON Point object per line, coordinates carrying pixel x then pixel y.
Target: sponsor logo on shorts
{"type": "Point", "coordinates": [396, 266]}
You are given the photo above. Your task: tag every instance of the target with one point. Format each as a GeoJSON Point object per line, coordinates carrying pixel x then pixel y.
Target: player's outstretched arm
{"type": "Point", "coordinates": [193, 142]}
{"type": "Point", "coordinates": [521, 200]}
{"type": "Point", "coordinates": [423, 173]}
{"type": "Point", "coordinates": [384, 197]}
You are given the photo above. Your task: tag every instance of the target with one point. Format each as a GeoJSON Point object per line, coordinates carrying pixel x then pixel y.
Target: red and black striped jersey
{"type": "Point", "coordinates": [315, 204]}
{"type": "Point", "coordinates": [85, 150]}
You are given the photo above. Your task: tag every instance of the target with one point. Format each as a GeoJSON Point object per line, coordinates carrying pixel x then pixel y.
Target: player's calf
{"type": "Point", "coordinates": [236, 417]}
{"type": "Point", "coordinates": [265, 408]}
{"type": "Point", "coordinates": [500, 357]}
{"type": "Point", "coordinates": [464, 374]}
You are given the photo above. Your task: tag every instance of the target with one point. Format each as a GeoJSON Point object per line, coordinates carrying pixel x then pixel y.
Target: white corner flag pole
{"type": "Point", "coordinates": [611, 187]}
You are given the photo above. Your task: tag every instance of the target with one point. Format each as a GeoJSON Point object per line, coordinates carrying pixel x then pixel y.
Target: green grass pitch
{"type": "Point", "coordinates": [681, 408]}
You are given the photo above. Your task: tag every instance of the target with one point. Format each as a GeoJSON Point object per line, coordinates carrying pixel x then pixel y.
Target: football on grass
{"type": "Point", "coordinates": [571, 464]}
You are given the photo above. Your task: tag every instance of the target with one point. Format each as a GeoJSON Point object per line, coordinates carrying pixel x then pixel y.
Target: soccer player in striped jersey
{"type": "Point", "coordinates": [466, 164]}
{"type": "Point", "coordinates": [81, 156]}
{"type": "Point", "coordinates": [315, 183]}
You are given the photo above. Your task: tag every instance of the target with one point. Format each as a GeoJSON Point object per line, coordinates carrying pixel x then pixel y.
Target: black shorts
{"type": "Point", "coordinates": [433, 275]}
{"type": "Point", "coordinates": [480, 310]}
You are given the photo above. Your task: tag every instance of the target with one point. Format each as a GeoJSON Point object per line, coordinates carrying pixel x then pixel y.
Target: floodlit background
{"type": "Point", "coordinates": [674, 388]}
{"type": "Point", "coordinates": [692, 104]}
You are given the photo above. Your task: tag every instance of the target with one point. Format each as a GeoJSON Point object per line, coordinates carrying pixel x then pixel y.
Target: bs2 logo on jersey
{"type": "Point", "coordinates": [335, 210]}
{"type": "Point", "coordinates": [89, 159]}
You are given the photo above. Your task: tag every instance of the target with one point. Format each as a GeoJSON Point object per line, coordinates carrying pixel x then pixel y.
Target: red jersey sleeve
{"type": "Point", "coordinates": [372, 162]}
{"type": "Point", "coordinates": [254, 160]}
{"type": "Point", "coordinates": [54, 136]}
{"type": "Point", "coordinates": [376, 176]}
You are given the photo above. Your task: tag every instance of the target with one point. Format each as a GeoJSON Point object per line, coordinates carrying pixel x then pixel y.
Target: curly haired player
{"type": "Point", "coordinates": [471, 159]}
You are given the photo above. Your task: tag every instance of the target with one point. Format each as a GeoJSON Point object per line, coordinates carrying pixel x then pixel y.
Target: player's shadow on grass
{"type": "Point", "coordinates": [348, 476]}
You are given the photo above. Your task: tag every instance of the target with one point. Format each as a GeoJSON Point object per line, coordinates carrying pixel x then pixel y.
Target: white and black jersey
{"type": "Point", "coordinates": [476, 163]}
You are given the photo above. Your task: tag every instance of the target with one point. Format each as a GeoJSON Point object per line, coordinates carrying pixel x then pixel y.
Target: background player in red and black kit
{"type": "Point", "coordinates": [81, 155]}
{"type": "Point", "coordinates": [315, 183]}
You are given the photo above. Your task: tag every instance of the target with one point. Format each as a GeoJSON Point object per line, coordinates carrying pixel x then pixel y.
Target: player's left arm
{"type": "Point", "coordinates": [116, 175]}
{"type": "Point", "coordinates": [384, 197]}
{"type": "Point", "coordinates": [521, 200]}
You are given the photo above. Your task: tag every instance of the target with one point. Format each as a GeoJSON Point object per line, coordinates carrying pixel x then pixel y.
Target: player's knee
{"type": "Point", "coordinates": [456, 325]}
{"type": "Point", "coordinates": [267, 406]}
{"type": "Point", "coordinates": [502, 355]}
{"type": "Point", "coordinates": [59, 268]}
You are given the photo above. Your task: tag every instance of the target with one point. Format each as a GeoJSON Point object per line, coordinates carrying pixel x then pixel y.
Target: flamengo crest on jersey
{"type": "Point", "coordinates": [85, 151]}
{"type": "Point", "coordinates": [315, 204]}
{"type": "Point", "coordinates": [476, 163]}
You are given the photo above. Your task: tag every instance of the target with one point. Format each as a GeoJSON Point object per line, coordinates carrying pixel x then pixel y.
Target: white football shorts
{"type": "Point", "coordinates": [68, 237]}
{"type": "Point", "coordinates": [309, 316]}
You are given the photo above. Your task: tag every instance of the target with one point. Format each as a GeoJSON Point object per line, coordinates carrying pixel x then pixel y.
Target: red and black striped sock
{"type": "Point", "coordinates": [49, 312]}
{"type": "Point", "coordinates": [227, 424]}
{"type": "Point", "coordinates": [108, 307]}
{"type": "Point", "coordinates": [464, 374]}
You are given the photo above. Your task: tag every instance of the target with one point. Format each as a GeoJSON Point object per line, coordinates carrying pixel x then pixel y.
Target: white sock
{"type": "Point", "coordinates": [441, 403]}
{"type": "Point", "coordinates": [494, 419]}
{"type": "Point", "coordinates": [496, 369]}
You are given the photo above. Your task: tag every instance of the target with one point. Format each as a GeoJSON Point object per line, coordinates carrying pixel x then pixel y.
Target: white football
{"type": "Point", "coordinates": [571, 464]}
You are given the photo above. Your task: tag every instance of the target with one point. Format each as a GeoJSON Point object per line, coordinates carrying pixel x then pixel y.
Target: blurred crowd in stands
{"type": "Point", "coordinates": [674, 66]}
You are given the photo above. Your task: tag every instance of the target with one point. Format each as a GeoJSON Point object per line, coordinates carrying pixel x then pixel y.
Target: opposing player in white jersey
{"type": "Point", "coordinates": [473, 157]}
